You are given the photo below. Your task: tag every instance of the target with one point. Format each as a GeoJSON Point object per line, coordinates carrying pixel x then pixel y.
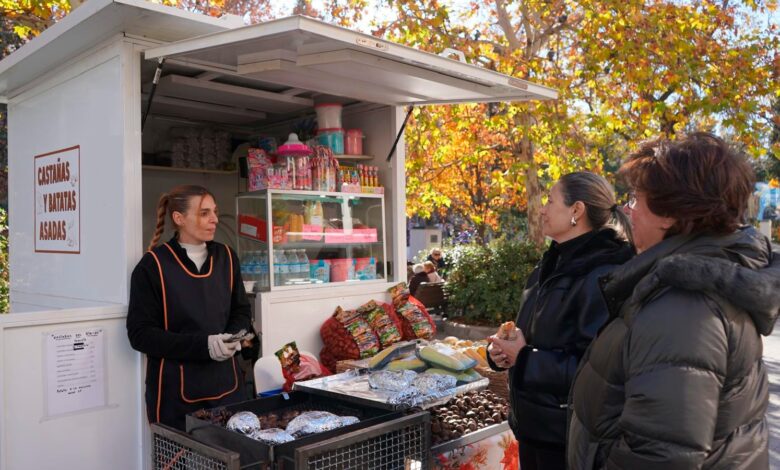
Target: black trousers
{"type": "Point", "coordinates": [541, 456]}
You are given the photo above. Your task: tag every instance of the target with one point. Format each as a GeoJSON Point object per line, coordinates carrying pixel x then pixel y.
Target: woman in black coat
{"type": "Point", "coordinates": [676, 379]}
{"type": "Point", "coordinates": [561, 311]}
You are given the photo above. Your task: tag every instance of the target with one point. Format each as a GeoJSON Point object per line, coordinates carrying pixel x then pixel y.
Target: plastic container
{"type": "Point", "coordinates": [365, 268]}
{"type": "Point", "coordinates": [333, 139]}
{"type": "Point", "coordinates": [319, 271]}
{"type": "Point", "coordinates": [328, 115]}
{"type": "Point", "coordinates": [353, 142]}
{"type": "Point", "coordinates": [342, 269]}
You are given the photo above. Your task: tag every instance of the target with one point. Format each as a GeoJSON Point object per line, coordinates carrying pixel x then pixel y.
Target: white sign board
{"type": "Point", "coordinates": [75, 371]}
{"type": "Point", "coordinates": [58, 201]}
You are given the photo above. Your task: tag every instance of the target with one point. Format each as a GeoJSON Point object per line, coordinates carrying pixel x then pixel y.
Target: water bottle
{"type": "Point", "coordinates": [264, 272]}
{"type": "Point", "coordinates": [284, 269]}
{"type": "Point", "coordinates": [295, 268]}
{"type": "Point", "coordinates": [257, 270]}
{"type": "Point", "coordinates": [246, 266]}
{"type": "Point", "coordinates": [303, 261]}
{"type": "Point", "coordinates": [277, 268]}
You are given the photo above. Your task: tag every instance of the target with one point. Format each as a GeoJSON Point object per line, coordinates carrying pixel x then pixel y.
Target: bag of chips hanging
{"type": "Point", "coordinates": [415, 320]}
{"type": "Point", "coordinates": [386, 326]}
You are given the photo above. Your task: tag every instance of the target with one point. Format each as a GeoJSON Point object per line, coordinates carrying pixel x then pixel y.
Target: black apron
{"type": "Point", "coordinates": [200, 304]}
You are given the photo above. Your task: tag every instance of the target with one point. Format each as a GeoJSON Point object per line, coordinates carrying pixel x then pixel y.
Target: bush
{"type": "Point", "coordinates": [486, 282]}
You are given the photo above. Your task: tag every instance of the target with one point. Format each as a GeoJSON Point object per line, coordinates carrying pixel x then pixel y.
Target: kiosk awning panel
{"type": "Point", "coordinates": [305, 53]}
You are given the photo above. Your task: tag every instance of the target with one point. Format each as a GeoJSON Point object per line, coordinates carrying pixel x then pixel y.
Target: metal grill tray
{"type": "Point", "coordinates": [352, 386]}
{"type": "Point", "coordinates": [255, 454]}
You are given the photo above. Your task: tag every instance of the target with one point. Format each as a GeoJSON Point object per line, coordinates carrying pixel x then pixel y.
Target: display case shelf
{"type": "Point", "coordinates": [312, 244]}
{"type": "Point", "coordinates": [338, 257]}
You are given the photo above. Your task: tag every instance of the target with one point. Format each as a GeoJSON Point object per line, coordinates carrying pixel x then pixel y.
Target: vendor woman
{"type": "Point", "coordinates": [186, 299]}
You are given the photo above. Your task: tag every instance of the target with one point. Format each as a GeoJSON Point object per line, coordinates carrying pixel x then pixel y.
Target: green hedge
{"type": "Point", "coordinates": [485, 282]}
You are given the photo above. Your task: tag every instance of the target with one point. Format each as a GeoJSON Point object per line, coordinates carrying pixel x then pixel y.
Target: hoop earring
{"type": "Point", "coordinates": [573, 221]}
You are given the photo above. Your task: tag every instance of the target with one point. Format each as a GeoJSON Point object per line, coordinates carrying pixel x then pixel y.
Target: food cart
{"type": "Point", "coordinates": [72, 388]}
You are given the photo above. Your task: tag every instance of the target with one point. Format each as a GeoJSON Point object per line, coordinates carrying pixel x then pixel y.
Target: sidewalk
{"type": "Point", "coordinates": [772, 361]}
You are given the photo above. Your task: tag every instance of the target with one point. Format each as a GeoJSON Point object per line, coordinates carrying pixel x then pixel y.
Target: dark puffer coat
{"type": "Point", "coordinates": [561, 311]}
{"type": "Point", "coordinates": [675, 380]}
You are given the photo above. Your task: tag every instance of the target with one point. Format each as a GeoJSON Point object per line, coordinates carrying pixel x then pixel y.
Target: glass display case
{"type": "Point", "coordinates": [289, 239]}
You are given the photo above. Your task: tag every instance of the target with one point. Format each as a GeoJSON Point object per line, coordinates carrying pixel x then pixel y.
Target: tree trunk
{"type": "Point", "coordinates": [534, 192]}
{"type": "Point", "coordinates": [533, 188]}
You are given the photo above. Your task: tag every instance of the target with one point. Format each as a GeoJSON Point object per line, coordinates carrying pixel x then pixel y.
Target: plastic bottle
{"type": "Point", "coordinates": [262, 281]}
{"type": "Point", "coordinates": [246, 266]}
{"type": "Point", "coordinates": [316, 215]}
{"type": "Point", "coordinates": [293, 267]}
{"type": "Point", "coordinates": [303, 263]}
{"type": "Point", "coordinates": [278, 280]}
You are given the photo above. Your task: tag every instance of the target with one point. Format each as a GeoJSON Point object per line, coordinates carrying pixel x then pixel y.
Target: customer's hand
{"type": "Point", "coordinates": [219, 350]}
{"type": "Point", "coordinates": [497, 356]}
{"type": "Point", "coordinates": [504, 352]}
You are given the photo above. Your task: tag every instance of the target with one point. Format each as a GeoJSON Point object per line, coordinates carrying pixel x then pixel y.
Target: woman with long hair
{"type": "Point", "coordinates": [186, 300]}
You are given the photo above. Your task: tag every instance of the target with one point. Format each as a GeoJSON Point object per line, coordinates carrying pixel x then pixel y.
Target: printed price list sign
{"type": "Point", "coordinates": [75, 371]}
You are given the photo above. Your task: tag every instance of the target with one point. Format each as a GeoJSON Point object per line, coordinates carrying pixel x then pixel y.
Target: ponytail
{"type": "Point", "coordinates": [162, 208]}
{"type": "Point", "coordinates": [622, 224]}
{"type": "Point", "coordinates": [599, 198]}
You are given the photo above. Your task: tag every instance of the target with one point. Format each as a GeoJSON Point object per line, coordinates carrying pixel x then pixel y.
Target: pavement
{"type": "Point", "coordinates": [772, 361]}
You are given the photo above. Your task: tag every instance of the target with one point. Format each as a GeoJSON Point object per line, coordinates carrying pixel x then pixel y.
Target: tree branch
{"type": "Point", "coordinates": [506, 26]}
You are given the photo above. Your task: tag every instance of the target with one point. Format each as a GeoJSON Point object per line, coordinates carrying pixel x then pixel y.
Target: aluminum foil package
{"type": "Point", "coordinates": [312, 422]}
{"type": "Point", "coordinates": [393, 380]}
{"type": "Point", "coordinates": [244, 422]}
{"type": "Point", "coordinates": [272, 436]}
{"type": "Point", "coordinates": [349, 420]}
{"type": "Point", "coordinates": [434, 384]}
{"type": "Point", "coordinates": [410, 397]}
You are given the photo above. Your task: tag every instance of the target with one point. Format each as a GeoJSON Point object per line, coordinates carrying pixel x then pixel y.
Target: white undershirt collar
{"type": "Point", "coordinates": [197, 253]}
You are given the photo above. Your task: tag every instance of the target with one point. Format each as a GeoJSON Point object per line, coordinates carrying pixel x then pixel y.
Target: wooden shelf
{"type": "Point", "coordinates": [188, 170]}
{"type": "Point", "coordinates": [353, 157]}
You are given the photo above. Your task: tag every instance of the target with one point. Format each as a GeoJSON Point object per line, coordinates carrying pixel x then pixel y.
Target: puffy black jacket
{"type": "Point", "coordinates": [561, 311]}
{"type": "Point", "coordinates": [675, 380]}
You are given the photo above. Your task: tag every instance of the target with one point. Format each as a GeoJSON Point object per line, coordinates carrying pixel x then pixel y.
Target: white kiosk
{"type": "Point", "coordinates": [71, 387]}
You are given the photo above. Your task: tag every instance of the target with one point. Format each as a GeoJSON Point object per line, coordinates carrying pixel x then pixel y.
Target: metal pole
{"type": "Point", "coordinates": [155, 81]}
{"type": "Point", "coordinates": [400, 132]}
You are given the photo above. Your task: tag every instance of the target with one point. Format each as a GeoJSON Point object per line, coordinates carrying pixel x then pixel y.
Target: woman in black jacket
{"type": "Point", "coordinates": [561, 311]}
{"type": "Point", "coordinates": [675, 380]}
{"type": "Point", "coordinates": [186, 298]}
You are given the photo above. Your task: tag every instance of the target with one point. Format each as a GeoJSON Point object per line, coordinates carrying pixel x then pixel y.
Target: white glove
{"type": "Point", "coordinates": [219, 350]}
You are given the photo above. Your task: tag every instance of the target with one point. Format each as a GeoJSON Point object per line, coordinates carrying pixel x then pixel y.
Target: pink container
{"type": "Point", "coordinates": [342, 269]}
{"type": "Point", "coordinates": [353, 142]}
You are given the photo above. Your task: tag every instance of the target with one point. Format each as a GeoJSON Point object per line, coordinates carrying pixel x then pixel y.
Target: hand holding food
{"type": "Point", "coordinates": [507, 331]}
{"type": "Point", "coordinates": [506, 344]}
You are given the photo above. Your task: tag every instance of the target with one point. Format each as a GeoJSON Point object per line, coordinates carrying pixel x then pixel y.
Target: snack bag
{"type": "Point", "coordinates": [415, 321]}
{"type": "Point", "coordinates": [290, 359]}
{"type": "Point", "coordinates": [385, 326]}
{"type": "Point", "coordinates": [360, 330]}
{"type": "Point", "coordinates": [339, 343]}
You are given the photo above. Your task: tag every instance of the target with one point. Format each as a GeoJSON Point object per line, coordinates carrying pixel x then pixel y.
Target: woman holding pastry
{"type": "Point", "coordinates": [561, 310]}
